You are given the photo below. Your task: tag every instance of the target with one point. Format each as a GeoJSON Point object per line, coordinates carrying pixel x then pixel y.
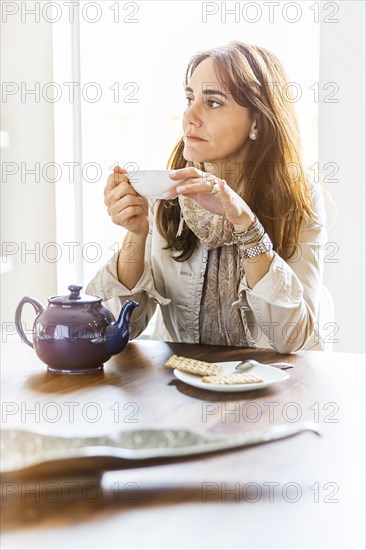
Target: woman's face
{"type": "Point", "coordinates": [220, 125]}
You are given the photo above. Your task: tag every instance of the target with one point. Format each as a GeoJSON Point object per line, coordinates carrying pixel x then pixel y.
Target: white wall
{"type": "Point", "coordinates": [342, 141]}
{"type": "Point", "coordinates": [27, 208]}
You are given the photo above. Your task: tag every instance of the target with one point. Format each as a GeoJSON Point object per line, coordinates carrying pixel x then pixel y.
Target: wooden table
{"type": "Point", "coordinates": [302, 492]}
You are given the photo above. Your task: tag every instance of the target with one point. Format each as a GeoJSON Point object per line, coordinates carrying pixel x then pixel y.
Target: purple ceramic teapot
{"type": "Point", "coordinates": [75, 333]}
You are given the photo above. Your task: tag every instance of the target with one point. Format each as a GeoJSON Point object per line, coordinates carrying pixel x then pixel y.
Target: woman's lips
{"type": "Point", "coordinates": [194, 138]}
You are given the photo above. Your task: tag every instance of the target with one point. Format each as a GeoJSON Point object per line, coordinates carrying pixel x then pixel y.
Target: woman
{"type": "Point", "coordinates": [228, 255]}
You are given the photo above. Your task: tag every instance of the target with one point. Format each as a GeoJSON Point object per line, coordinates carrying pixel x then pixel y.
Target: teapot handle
{"type": "Point", "coordinates": [38, 306]}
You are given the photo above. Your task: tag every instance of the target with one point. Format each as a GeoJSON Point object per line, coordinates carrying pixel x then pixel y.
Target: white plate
{"type": "Point", "coordinates": [270, 375]}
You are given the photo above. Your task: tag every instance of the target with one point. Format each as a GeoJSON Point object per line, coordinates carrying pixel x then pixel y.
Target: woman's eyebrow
{"type": "Point", "coordinates": [208, 91]}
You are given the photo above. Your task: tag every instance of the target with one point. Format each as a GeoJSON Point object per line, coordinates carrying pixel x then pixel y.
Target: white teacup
{"type": "Point", "coordinates": [151, 184]}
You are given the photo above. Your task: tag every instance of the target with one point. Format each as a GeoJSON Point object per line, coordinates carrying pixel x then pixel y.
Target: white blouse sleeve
{"type": "Point", "coordinates": [105, 284]}
{"type": "Point", "coordinates": [285, 301]}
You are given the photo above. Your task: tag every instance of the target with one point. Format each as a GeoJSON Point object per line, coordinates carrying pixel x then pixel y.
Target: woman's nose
{"type": "Point", "coordinates": [193, 114]}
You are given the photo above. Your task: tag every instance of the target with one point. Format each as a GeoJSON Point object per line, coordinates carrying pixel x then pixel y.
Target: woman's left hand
{"type": "Point", "coordinates": [198, 185]}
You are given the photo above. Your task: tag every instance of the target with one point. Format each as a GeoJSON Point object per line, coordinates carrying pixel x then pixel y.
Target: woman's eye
{"type": "Point", "coordinates": [213, 103]}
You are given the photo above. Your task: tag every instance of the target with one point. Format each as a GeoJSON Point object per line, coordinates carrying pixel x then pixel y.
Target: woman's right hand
{"type": "Point", "coordinates": [126, 207]}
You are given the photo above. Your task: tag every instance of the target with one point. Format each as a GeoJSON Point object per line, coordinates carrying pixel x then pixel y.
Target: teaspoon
{"type": "Point", "coordinates": [250, 363]}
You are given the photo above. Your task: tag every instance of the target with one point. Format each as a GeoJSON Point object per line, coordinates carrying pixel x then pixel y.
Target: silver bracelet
{"type": "Point", "coordinates": [260, 247]}
{"type": "Point", "coordinates": [253, 234]}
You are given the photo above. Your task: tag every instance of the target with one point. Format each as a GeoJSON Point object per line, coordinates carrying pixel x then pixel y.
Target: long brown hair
{"type": "Point", "coordinates": [272, 180]}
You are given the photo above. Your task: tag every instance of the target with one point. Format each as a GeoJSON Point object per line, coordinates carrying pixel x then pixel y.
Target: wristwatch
{"type": "Point", "coordinates": [251, 251]}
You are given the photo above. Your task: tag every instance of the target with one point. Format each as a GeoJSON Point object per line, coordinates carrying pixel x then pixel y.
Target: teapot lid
{"type": "Point", "coordinates": [74, 297]}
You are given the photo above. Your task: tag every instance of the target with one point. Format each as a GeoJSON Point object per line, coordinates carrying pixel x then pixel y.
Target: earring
{"type": "Point", "coordinates": [253, 135]}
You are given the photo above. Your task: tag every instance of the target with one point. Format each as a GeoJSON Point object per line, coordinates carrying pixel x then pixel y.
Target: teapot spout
{"type": "Point", "coordinates": [118, 333]}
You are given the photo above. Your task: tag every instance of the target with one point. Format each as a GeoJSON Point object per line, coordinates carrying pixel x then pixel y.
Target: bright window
{"type": "Point", "coordinates": [131, 78]}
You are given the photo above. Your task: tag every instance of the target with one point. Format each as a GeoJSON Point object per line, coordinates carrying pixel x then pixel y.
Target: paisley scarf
{"type": "Point", "coordinates": [220, 323]}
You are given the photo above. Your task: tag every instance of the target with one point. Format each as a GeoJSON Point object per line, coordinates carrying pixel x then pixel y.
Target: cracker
{"type": "Point", "coordinates": [240, 378]}
{"type": "Point", "coordinates": [193, 366]}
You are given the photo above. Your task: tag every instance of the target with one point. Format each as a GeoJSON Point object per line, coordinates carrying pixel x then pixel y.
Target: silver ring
{"type": "Point", "coordinates": [214, 186]}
